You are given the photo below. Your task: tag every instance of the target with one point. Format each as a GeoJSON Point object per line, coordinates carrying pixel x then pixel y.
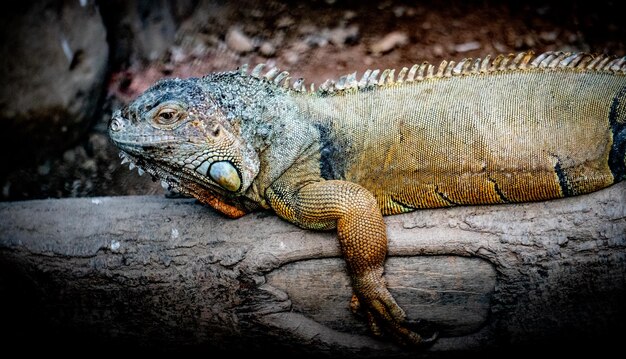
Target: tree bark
{"type": "Point", "coordinates": [151, 273]}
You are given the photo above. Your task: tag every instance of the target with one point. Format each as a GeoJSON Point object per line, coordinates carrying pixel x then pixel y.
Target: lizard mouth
{"type": "Point", "coordinates": [167, 182]}
{"type": "Point", "coordinates": [184, 178]}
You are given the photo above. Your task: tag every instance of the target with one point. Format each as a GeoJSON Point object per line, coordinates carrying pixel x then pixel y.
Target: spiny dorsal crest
{"type": "Point", "coordinates": [469, 66]}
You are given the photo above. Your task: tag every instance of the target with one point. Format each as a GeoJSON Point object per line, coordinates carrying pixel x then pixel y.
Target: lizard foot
{"type": "Point", "coordinates": [380, 324]}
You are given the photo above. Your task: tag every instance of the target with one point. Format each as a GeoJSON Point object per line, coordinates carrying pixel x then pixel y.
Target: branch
{"type": "Point", "coordinates": [153, 272]}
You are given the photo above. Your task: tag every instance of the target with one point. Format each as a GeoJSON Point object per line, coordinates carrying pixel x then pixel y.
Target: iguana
{"type": "Point", "coordinates": [513, 128]}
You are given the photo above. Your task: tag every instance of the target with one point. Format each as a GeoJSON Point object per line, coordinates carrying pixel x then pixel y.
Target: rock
{"type": "Point", "coordinates": [44, 168]}
{"type": "Point", "coordinates": [53, 70]}
{"type": "Point", "coordinates": [341, 36]}
{"type": "Point", "coordinates": [549, 36]}
{"type": "Point", "coordinates": [285, 21]}
{"type": "Point", "coordinates": [178, 54]}
{"type": "Point", "coordinates": [238, 41]}
{"type": "Point", "coordinates": [139, 31]}
{"type": "Point", "coordinates": [389, 42]}
{"type": "Point", "coordinates": [467, 46]}
{"type": "Point", "coordinates": [291, 57]}
{"type": "Point", "coordinates": [438, 50]}
{"type": "Point", "coordinates": [267, 49]}
{"type": "Point", "coordinates": [529, 41]}
{"type": "Point", "coordinates": [349, 15]}
{"type": "Point", "coordinates": [500, 47]}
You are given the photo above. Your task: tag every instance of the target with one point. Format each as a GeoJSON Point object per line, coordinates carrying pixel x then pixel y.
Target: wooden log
{"type": "Point", "coordinates": [150, 273]}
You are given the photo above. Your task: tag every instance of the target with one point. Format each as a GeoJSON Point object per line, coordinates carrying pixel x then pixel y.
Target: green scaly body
{"type": "Point", "coordinates": [513, 129]}
{"type": "Point", "coordinates": [521, 136]}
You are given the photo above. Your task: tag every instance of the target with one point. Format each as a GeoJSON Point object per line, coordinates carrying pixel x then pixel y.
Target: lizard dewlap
{"type": "Point", "coordinates": [514, 128]}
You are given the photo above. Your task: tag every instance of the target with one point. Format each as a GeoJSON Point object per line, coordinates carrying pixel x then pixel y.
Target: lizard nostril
{"type": "Point", "coordinates": [116, 125]}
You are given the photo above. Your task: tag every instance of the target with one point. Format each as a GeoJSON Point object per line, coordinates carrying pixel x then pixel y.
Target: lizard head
{"type": "Point", "coordinates": [176, 132]}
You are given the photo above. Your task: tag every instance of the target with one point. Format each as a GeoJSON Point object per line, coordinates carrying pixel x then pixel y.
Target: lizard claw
{"type": "Point", "coordinates": [431, 339]}
{"type": "Point", "coordinates": [405, 336]}
{"type": "Point", "coordinates": [385, 317]}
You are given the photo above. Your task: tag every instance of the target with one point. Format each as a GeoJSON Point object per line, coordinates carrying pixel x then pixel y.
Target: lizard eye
{"type": "Point", "coordinates": [168, 117]}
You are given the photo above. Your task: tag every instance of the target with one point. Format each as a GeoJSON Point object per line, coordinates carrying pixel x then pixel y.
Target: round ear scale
{"type": "Point", "coordinates": [226, 175]}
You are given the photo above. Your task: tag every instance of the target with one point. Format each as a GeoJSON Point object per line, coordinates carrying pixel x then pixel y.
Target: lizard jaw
{"type": "Point", "coordinates": [228, 176]}
{"type": "Point", "coordinates": [185, 186]}
{"type": "Point", "coordinates": [156, 174]}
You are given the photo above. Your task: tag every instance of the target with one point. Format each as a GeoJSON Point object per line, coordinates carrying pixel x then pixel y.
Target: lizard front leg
{"type": "Point", "coordinates": [362, 236]}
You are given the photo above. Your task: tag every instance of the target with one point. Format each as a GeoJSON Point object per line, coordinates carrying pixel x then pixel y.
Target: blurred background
{"type": "Point", "coordinates": [67, 65]}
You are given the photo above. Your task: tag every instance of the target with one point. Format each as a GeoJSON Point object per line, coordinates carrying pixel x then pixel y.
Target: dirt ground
{"type": "Point", "coordinates": [316, 40]}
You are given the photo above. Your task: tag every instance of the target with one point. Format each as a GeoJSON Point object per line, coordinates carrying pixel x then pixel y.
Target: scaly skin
{"type": "Point", "coordinates": [513, 129]}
